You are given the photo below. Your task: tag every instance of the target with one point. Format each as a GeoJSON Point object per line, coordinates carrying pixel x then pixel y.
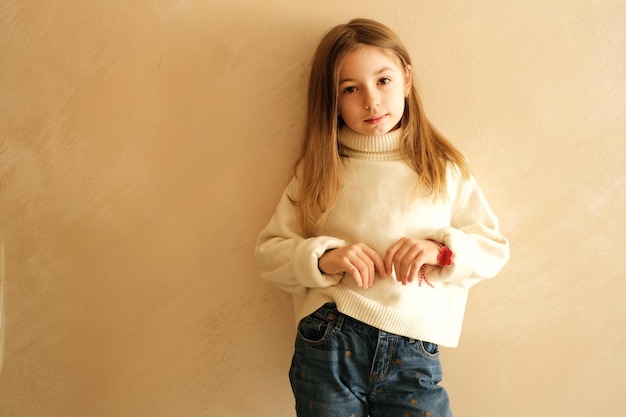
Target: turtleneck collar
{"type": "Point", "coordinates": [381, 148]}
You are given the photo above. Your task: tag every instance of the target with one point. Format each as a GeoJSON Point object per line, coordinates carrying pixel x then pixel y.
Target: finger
{"type": "Point", "coordinates": [391, 260]}
{"type": "Point", "coordinates": [371, 273]}
{"type": "Point", "coordinates": [367, 270]}
{"type": "Point", "coordinates": [413, 272]}
{"type": "Point", "coordinates": [363, 265]}
{"type": "Point", "coordinates": [354, 272]}
{"type": "Point", "coordinates": [401, 264]}
{"type": "Point", "coordinates": [380, 265]}
{"type": "Point", "coordinates": [390, 256]}
{"type": "Point", "coordinates": [411, 263]}
{"type": "Point", "coordinates": [377, 262]}
{"type": "Point", "coordinates": [395, 255]}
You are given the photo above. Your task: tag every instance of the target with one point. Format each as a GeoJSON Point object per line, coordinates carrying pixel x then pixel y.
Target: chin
{"type": "Point", "coordinates": [378, 130]}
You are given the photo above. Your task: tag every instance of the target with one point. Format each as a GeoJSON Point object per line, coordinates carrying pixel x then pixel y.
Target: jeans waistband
{"type": "Point", "coordinates": [330, 312]}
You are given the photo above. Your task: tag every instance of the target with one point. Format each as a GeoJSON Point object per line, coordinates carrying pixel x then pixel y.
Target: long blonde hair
{"type": "Point", "coordinates": [319, 165]}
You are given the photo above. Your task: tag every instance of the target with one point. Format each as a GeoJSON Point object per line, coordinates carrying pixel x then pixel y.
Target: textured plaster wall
{"type": "Point", "coordinates": [144, 145]}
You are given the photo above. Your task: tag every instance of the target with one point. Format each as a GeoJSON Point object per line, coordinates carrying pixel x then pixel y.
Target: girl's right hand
{"type": "Point", "coordinates": [358, 260]}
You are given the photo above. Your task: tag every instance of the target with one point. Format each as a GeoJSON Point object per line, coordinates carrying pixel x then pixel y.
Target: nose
{"type": "Point", "coordinates": [371, 98]}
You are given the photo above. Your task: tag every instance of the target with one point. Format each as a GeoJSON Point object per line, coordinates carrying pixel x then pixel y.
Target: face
{"type": "Point", "coordinates": [372, 87]}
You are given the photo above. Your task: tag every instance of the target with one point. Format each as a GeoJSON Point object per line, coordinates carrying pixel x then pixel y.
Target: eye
{"type": "Point", "coordinates": [384, 81]}
{"type": "Point", "coordinates": [349, 90]}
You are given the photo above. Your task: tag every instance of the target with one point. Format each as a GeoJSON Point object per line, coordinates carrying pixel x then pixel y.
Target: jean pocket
{"type": "Point", "coordinates": [428, 350]}
{"type": "Point", "coordinates": [314, 330]}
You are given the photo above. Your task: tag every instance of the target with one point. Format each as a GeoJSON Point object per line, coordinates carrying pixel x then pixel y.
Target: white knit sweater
{"type": "Point", "coordinates": [378, 205]}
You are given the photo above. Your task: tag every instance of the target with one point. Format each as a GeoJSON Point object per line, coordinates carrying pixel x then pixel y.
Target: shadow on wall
{"type": "Point", "coordinates": [172, 154]}
{"type": "Point", "coordinates": [1, 303]}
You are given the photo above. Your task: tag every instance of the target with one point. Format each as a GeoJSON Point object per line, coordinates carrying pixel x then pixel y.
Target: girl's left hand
{"type": "Point", "coordinates": [408, 255]}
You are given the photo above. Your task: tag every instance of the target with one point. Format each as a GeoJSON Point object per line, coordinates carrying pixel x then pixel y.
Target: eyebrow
{"type": "Point", "coordinates": [380, 71]}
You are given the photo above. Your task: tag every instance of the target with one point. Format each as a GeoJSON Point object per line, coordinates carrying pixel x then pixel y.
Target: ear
{"type": "Point", "coordinates": [408, 79]}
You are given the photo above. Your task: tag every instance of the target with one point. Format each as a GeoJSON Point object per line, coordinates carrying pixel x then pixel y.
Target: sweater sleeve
{"type": "Point", "coordinates": [288, 259]}
{"type": "Point", "coordinates": [480, 250]}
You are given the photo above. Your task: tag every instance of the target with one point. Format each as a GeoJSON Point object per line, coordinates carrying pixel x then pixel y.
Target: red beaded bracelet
{"type": "Point", "coordinates": [422, 277]}
{"type": "Point", "coordinates": [443, 259]}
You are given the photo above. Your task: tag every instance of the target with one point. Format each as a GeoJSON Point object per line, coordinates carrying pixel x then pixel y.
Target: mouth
{"type": "Point", "coordinates": [377, 118]}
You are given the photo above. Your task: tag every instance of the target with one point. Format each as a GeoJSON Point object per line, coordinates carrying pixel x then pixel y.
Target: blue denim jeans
{"type": "Point", "coordinates": [345, 368]}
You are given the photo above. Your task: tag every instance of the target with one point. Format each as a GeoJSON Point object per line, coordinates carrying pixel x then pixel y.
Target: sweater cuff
{"type": "Point", "coordinates": [306, 258]}
{"type": "Point", "coordinates": [476, 256]}
{"type": "Point", "coordinates": [463, 259]}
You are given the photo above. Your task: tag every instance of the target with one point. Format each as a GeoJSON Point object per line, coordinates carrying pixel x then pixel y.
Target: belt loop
{"type": "Point", "coordinates": [340, 320]}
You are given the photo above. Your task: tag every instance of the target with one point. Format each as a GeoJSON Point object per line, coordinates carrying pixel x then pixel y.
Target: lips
{"type": "Point", "coordinates": [375, 119]}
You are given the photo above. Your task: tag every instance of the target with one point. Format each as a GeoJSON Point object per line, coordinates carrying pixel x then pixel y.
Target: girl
{"type": "Point", "coordinates": [379, 235]}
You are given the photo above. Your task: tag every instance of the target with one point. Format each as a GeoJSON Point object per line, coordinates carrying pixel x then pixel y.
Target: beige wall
{"type": "Point", "coordinates": [144, 145]}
